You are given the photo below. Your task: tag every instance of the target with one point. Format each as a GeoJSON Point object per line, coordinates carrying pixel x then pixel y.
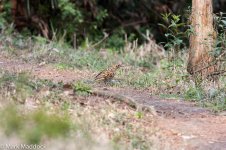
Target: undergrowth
{"type": "Point", "coordinates": [144, 67]}
{"type": "Point", "coordinates": [43, 124]}
{"type": "Point", "coordinates": [165, 77]}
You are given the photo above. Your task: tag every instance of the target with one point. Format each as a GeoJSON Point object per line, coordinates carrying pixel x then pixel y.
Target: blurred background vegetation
{"type": "Point", "coordinates": [91, 20]}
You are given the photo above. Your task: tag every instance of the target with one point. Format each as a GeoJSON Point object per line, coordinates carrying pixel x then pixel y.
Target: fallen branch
{"type": "Point", "coordinates": [128, 100]}
{"type": "Point", "coordinates": [205, 67]}
{"type": "Point", "coordinates": [212, 63]}
{"type": "Point", "coordinates": [221, 72]}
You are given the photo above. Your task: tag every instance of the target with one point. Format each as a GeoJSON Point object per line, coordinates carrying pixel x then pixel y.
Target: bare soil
{"type": "Point", "coordinates": [182, 124]}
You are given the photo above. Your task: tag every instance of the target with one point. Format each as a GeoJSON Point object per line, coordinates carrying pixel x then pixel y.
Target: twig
{"type": "Point", "coordinates": [217, 73]}
{"type": "Point", "coordinates": [222, 54]}
{"type": "Point", "coordinates": [205, 67]}
{"type": "Point", "coordinates": [212, 63]}
{"type": "Point", "coordinates": [74, 41]}
{"type": "Point", "coordinates": [134, 23]}
{"type": "Point", "coordinates": [99, 42]}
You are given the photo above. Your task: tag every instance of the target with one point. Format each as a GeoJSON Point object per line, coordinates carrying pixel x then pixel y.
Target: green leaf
{"type": "Point", "coordinates": [162, 25]}
{"type": "Point", "coordinates": [224, 22]}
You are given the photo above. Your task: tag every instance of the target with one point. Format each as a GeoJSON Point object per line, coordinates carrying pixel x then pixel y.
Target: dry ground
{"type": "Point", "coordinates": [178, 124]}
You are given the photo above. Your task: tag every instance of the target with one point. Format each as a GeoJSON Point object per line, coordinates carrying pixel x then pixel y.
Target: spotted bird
{"type": "Point", "coordinates": [108, 74]}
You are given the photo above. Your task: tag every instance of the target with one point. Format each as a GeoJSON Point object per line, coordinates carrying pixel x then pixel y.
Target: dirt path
{"type": "Point", "coordinates": [183, 124]}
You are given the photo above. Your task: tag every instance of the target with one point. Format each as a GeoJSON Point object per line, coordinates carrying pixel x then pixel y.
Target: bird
{"type": "Point", "coordinates": [108, 74]}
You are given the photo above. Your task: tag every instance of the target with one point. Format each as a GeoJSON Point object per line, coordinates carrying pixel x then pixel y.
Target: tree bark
{"type": "Point", "coordinates": [200, 62]}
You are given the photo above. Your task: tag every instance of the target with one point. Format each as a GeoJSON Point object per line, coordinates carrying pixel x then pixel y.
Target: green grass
{"type": "Point", "coordinates": [169, 78]}
{"type": "Point", "coordinates": [139, 79]}
{"type": "Point", "coordinates": [18, 85]}
{"type": "Point", "coordinates": [82, 88]}
{"type": "Point", "coordinates": [194, 93]}
{"type": "Point", "coordinates": [62, 66]}
{"type": "Point", "coordinates": [34, 126]}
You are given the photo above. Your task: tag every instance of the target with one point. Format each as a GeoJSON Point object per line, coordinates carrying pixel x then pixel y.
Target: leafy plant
{"type": "Point", "coordinates": [194, 93]}
{"type": "Point", "coordinates": [4, 15]}
{"type": "Point", "coordinates": [82, 88]}
{"type": "Point", "coordinates": [220, 27]}
{"type": "Point", "coordinates": [177, 32]}
{"type": "Point", "coordinates": [138, 114]}
{"type": "Point", "coordinates": [116, 40]}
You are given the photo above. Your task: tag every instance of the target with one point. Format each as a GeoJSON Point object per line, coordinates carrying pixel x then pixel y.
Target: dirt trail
{"type": "Point", "coordinates": [183, 124]}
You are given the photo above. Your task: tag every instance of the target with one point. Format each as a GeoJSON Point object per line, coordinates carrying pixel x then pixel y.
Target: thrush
{"type": "Point", "coordinates": [107, 74]}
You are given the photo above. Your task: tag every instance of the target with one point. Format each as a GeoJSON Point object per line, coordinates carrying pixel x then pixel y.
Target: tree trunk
{"type": "Point", "coordinates": [200, 62]}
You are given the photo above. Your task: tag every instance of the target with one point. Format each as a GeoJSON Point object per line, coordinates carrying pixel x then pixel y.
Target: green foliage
{"type": "Point", "coordinates": [194, 93]}
{"type": "Point", "coordinates": [218, 104]}
{"type": "Point", "coordinates": [75, 19]}
{"type": "Point", "coordinates": [177, 32]}
{"type": "Point", "coordinates": [47, 125]}
{"type": "Point", "coordinates": [168, 74]}
{"type": "Point", "coordinates": [220, 27]}
{"type": "Point", "coordinates": [19, 84]}
{"type": "Point", "coordinates": [21, 81]}
{"type": "Point", "coordinates": [11, 121]}
{"type": "Point", "coordinates": [116, 42]}
{"type": "Point", "coordinates": [102, 14]}
{"type": "Point", "coordinates": [138, 114]}
{"type": "Point", "coordinates": [169, 78]}
{"type": "Point", "coordinates": [4, 16]}
{"type": "Point", "coordinates": [61, 26]}
{"type": "Point", "coordinates": [215, 97]}
{"type": "Point", "coordinates": [43, 124]}
{"type": "Point", "coordinates": [89, 19]}
{"type": "Point", "coordinates": [19, 87]}
{"type": "Point", "coordinates": [68, 9]}
{"type": "Point", "coordinates": [62, 66]}
{"type": "Point", "coordinates": [138, 143]}
{"type": "Point", "coordinates": [81, 88]}
{"type": "Point", "coordinates": [144, 80]}
{"type": "Point", "coordinates": [83, 60]}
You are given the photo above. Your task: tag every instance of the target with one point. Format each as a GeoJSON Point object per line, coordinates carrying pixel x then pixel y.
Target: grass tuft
{"type": "Point", "coordinates": [34, 126]}
{"type": "Point", "coordinates": [82, 88]}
